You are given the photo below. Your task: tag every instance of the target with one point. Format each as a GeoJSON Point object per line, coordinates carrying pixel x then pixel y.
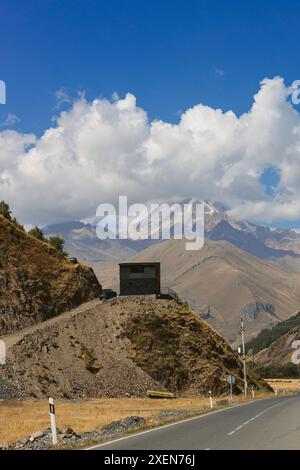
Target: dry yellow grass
{"type": "Point", "coordinates": [291, 385]}
{"type": "Point", "coordinates": [21, 418]}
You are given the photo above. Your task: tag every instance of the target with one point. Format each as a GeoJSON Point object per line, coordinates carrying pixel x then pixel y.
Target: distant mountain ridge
{"type": "Point", "coordinates": [247, 241]}
{"type": "Point", "coordinates": [82, 242]}
{"type": "Point", "coordinates": [280, 246]}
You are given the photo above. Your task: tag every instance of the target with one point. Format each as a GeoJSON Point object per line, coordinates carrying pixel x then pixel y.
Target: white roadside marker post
{"type": "Point", "coordinates": [2, 353]}
{"type": "Point", "coordinates": [276, 392]}
{"type": "Point", "coordinates": [242, 331]}
{"type": "Point", "coordinates": [253, 392]}
{"type": "Point", "coordinates": [210, 399]}
{"type": "Point", "coordinates": [53, 421]}
{"type": "Point", "coordinates": [231, 381]}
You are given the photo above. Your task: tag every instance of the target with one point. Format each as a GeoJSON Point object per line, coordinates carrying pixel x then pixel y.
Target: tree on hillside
{"type": "Point", "coordinates": [5, 210]}
{"type": "Point", "coordinates": [57, 243]}
{"type": "Point", "coordinates": [17, 224]}
{"type": "Point", "coordinates": [36, 232]}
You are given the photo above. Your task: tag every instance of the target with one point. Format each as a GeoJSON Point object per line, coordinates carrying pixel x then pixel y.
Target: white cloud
{"type": "Point", "coordinates": [62, 98]}
{"type": "Point", "coordinates": [102, 149]}
{"type": "Point", "coordinates": [220, 72]}
{"type": "Point", "coordinates": [10, 120]}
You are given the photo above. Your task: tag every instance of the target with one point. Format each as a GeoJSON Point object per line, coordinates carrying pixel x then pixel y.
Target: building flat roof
{"type": "Point", "coordinates": [147, 263]}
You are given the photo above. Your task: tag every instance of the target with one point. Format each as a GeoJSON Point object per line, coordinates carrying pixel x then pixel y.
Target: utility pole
{"type": "Point", "coordinates": [242, 331]}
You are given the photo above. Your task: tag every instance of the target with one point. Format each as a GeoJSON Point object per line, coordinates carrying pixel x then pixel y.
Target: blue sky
{"type": "Point", "coordinates": [171, 54]}
{"type": "Point", "coordinates": [167, 52]}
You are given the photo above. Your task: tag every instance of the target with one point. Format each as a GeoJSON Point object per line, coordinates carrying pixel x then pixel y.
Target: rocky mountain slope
{"type": "Point", "coordinates": [267, 336]}
{"type": "Point", "coordinates": [275, 346]}
{"type": "Point", "coordinates": [119, 349]}
{"type": "Point", "coordinates": [222, 282]}
{"type": "Point", "coordinates": [36, 281]}
{"type": "Point", "coordinates": [280, 351]}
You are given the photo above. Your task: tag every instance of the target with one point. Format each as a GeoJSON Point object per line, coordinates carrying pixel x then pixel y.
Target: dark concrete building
{"type": "Point", "coordinates": [140, 279]}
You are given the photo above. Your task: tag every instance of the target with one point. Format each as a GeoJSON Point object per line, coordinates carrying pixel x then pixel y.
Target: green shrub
{"type": "Point", "coordinates": [5, 210]}
{"type": "Point", "coordinates": [36, 232]}
{"type": "Point", "coordinates": [58, 243]}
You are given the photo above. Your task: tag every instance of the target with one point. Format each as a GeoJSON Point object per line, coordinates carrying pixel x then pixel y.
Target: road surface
{"type": "Point", "coordinates": [272, 423]}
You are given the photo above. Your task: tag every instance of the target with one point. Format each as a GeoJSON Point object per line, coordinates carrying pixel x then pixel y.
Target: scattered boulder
{"type": "Point", "coordinates": [67, 437]}
{"type": "Point", "coordinates": [130, 422]}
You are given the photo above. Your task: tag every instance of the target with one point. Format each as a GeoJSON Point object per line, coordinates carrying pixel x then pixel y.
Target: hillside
{"type": "Point", "coordinates": [267, 336]}
{"type": "Point", "coordinates": [119, 349]}
{"type": "Point", "coordinates": [273, 348]}
{"type": "Point", "coordinates": [222, 282]}
{"type": "Point", "coordinates": [36, 281]}
{"type": "Point", "coordinates": [280, 351]}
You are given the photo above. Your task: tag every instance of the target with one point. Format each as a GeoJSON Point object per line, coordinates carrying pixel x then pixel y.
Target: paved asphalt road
{"type": "Point", "coordinates": [272, 423]}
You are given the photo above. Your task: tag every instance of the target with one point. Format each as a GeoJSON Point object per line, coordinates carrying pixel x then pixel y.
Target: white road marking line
{"type": "Point", "coordinates": [254, 417]}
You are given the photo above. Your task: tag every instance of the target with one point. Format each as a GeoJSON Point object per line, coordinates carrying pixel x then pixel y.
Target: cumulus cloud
{"type": "Point", "coordinates": [102, 149]}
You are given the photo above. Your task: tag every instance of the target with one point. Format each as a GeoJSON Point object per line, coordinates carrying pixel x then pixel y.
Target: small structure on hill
{"type": "Point", "coordinates": [140, 279]}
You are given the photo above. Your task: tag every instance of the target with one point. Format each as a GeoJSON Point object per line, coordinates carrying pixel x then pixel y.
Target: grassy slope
{"type": "Point", "coordinates": [37, 282]}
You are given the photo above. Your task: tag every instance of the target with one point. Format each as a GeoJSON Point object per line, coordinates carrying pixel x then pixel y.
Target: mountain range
{"type": "Point", "coordinates": [243, 270]}
{"type": "Point", "coordinates": [280, 246]}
